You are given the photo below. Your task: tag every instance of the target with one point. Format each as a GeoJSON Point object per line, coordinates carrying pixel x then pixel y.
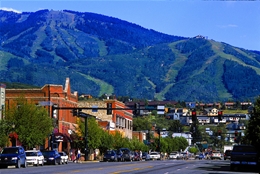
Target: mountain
{"type": "Point", "coordinates": [105, 55]}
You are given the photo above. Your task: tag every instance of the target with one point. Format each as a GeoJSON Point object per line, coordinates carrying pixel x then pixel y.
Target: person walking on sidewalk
{"type": "Point", "coordinates": [78, 156]}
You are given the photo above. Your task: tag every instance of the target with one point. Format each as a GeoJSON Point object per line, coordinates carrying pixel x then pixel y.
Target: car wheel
{"type": "Point", "coordinates": [18, 164]}
{"type": "Point", "coordinates": [25, 164]}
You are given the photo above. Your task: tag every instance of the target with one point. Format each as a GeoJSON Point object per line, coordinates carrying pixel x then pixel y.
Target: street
{"type": "Point", "coordinates": [138, 167]}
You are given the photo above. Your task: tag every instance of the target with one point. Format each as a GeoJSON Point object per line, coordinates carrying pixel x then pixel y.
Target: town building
{"type": "Point", "coordinates": [113, 115]}
{"type": "Point", "coordinates": [2, 100]}
{"type": "Point", "coordinates": [48, 96]}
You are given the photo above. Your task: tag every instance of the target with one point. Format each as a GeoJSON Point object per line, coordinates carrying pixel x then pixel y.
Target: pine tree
{"type": "Point", "coordinates": [253, 128]}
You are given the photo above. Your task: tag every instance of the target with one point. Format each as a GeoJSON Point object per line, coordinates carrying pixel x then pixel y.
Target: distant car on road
{"type": "Point", "coordinates": [128, 156]}
{"type": "Point", "coordinates": [155, 155]}
{"type": "Point", "coordinates": [34, 157]}
{"type": "Point", "coordinates": [119, 154]}
{"type": "Point", "coordinates": [64, 157]}
{"type": "Point", "coordinates": [110, 155]}
{"type": "Point", "coordinates": [13, 156]}
{"type": "Point", "coordinates": [52, 157]}
{"type": "Point", "coordinates": [227, 154]}
{"type": "Point", "coordinates": [174, 155]}
{"type": "Point", "coordinates": [216, 155]}
{"type": "Point", "coordinates": [200, 156]}
{"type": "Point", "coordinates": [146, 156]}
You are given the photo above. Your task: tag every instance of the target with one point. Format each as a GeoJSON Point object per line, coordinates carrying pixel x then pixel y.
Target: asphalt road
{"type": "Point", "coordinates": [142, 167]}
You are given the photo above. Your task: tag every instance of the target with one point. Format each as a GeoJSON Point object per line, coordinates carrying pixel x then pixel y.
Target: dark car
{"type": "Point", "coordinates": [52, 157]}
{"type": "Point", "coordinates": [227, 154]}
{"type": "Point", "coordinates": [124, 149]}
{"type": "Point", "coordinates": [13, 156]}
{"type": "Point", "coordinates": [119, 154]}
{"type": "Point", "coordinates": [110, 155]}
{"type": "Point", "coordinates": [200, 156]}
{"type": "Point", "coordinates": [128, 156]}
{"type": "Point", "coordinates": [146, 156]}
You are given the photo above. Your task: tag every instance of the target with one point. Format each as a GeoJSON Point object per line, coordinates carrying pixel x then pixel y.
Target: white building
{"type": "Point", "coordinates": [185, 135]}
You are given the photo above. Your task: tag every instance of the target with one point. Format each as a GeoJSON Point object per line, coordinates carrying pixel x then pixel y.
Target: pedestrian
{"type": "Point", "coordinates": [78, 155]}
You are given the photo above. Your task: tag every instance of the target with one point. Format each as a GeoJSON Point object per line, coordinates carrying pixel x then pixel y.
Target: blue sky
{"type": "Point", "coordinates": [234, 22]}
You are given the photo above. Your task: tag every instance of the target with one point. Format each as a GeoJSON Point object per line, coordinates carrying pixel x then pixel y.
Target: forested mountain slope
{"type": "Point", "coordinates": [103, 54]}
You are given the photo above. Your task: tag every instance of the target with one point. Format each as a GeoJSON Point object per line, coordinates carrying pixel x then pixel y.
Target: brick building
{"type": "Point", "coordinates": [48, 96]}
{"type": "Point", "coordinates": [120, 119]}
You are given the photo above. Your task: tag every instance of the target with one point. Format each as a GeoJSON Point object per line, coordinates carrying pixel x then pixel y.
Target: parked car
{"type": "Point", "coordinates": [128, 156]}
{"type": "Point", "coordinates": [110, 155]}
{"type": "Point", "coordinates": [185, 155]}
{"type": "Point", "coordinates": [124, 149]}
{"type": "Point", "coordinates": [216, 155]}
{"type": "Point", "coordinates": [52, 157]}
{"type": "Point", "coordinates": [174, 155]}
{"type": "Point", "coordinates": [13, 156]}
{"type": "Point", "coordinates": [64, 157]}
{"type": "Point", "coordinates": [137, 156]}
{"type": "Point", "coordinates": [227, 154]}
{"type": "Point", "coordinates": [155, 155]}
{"type": "Point", "coordinates": [146, 156]}
{"type": "Point", "coordinates": [200, 156]}
{"type": "Point", "coordinates": [34, 157]}
{"type": "Point", "coordinates": [119, 154]}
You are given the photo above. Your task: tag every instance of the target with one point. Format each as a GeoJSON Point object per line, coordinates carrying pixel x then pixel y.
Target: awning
{"type": "Point", "coordinates": [61, 137]}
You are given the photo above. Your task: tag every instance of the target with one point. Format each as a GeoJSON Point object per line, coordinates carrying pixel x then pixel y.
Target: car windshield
{"type": "Point", "coordinates": [48, 153]}
{"type": "Point", "coordinates": [154, 153]}
{"type": "Point", "coordinates": [31, 153]}
{"type": "Point", "coordinates": [10, 151]}
{"type": "Point", "coordinates": [110, 153]}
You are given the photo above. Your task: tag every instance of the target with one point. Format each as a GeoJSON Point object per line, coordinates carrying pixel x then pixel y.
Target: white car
{"type": "Point", "coordinates": [34, 157]}
{"type": "Point", "coordinates": [216, 155]}
{"type": "Point", "coordinates": [155, 155]}
{"type": "Point", "coordinates": [174, 155]}
{"type": "Point", "coordinates": [64, 157]}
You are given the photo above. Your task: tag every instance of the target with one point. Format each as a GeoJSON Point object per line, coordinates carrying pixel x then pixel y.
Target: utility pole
{"type": "Point", "coordinates": [86, 136]}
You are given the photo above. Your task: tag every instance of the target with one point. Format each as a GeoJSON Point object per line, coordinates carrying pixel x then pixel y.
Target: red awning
{"type": "Point", "coordinates": [61, 137]}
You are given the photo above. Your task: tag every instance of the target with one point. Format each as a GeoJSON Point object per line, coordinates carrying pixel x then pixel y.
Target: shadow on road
{"type": "Point", "coordinates": [226, 168]}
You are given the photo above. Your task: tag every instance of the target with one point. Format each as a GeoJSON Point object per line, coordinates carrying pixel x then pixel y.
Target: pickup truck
{"type": "Point", "coordinates": [243, 156]}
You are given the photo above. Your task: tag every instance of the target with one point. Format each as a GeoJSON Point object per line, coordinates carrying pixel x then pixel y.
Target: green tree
{"type": "Point", "coordinates": [253, 129]}
{"type": "Point", "coordinates": [5, 129]}
{"type": "Point", "coordinates": [141, 123]}
{"type": "Point", "coordinates": [94, 133]}
{"type": "Point", "coordinates": [107, 142]}
{"type": "Point", "coordinates": [32, 123]}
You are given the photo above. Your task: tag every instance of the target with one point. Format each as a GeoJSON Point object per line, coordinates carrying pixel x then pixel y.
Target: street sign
{"type": "Point", "coordinates": [176, 116]}
{"type": "Point", "coordinates": [160, 110]}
